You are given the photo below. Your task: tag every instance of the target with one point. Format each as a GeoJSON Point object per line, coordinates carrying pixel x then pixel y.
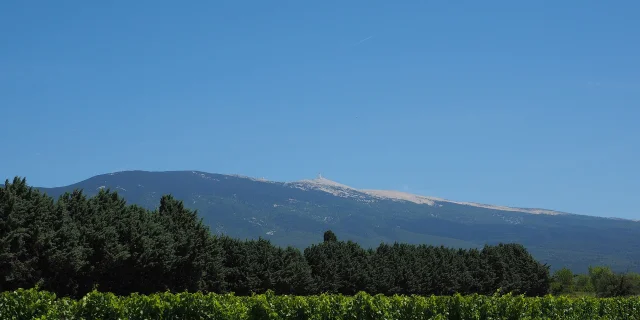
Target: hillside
{"type": "Point", "coordinates": [297, 213]}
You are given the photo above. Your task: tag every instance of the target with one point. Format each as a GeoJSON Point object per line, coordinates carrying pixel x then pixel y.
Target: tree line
{"type": "Point", "coordinates": [76, 243]}
{"type": "Point", "coordinates": [599, 281]}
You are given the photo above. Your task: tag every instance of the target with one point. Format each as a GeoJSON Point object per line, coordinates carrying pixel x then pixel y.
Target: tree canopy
{"type": "Point", "coordinates": [75, 243]}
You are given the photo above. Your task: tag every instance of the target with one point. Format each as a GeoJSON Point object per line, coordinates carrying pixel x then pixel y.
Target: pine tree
{"type": "Point", "coordinates": [329, 236]}
{"type": "Point", "coordinates": [339, 267]}
{"type": "Point", "coordinates": [295, 276]}
{"type": "Point", "coordinates": [190, 258]}
{"type": "Point", "coordinates": [67, 255]}
{"type": "Point", "coordinates": [26, 230]}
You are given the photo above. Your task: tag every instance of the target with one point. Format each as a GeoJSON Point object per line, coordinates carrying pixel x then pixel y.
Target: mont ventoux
{"type": "Point", "coordinates": [297, 214]}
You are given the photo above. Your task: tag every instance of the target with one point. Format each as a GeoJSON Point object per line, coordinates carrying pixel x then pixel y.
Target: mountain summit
{"type": "Point", "coordinates": [342, 190]}
{"type": "Point", "coordinates": [297, 213]}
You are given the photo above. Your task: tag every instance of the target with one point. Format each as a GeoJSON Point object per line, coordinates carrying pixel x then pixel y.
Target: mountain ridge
{"type": "Point", "coordinates": [421, 199]}
{"type": "Point", "coordinates": [296, 213]}
{"type": "Point", "coordinates": [389, 194]}
{"type": "Point", "coordinates": [379, 193]}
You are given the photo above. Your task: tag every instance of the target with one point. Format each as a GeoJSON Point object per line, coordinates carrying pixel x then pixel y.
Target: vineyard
{"type": "Point", "coordinates": [34, 304]}
{"type": "Point", "coordinates": [143, 262]}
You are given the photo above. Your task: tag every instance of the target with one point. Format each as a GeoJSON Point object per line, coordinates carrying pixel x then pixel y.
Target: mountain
{"type": "Point", "coordinates": [297, 213]}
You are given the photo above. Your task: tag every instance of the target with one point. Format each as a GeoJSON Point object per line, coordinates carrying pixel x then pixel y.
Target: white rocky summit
{"type": "Point", "coordinates": [323, 184]}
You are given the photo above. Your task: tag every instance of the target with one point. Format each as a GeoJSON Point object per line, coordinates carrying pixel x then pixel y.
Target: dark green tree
{"type": "Point", "coordinates": [339, 267]}
{"type": "Point", "coordinates": [78, 243]}
{"type": "Point", "coordinates": [195, 258]}
{"type": "Point", "coordinates": [26, 232]}
{"type": "Point", "coordinates": [329, 236]}
{"type": "Point", "coordinates": [67, 256]}
{"type": "Point", "coordinates": [294, 276]}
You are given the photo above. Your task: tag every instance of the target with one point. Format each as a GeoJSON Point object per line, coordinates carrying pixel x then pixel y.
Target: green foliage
{"type": "Point", "coordinates": [600, 281]}
{"type": "Point", "coordinates": [339, 267]}
{"type": "Point", "coordinates": [34, 304]}
{"type": "Point", "coordinates": [610, 284]}
{"type": "Point", "coordinates": [329, 236]}
{"type": "Point", "coordinates": [563, 281]}
{"type": "Point", "coordinates": [27, 230]}
{"type": "Point", "coordinates": [410, 269]}
{"type": "Point", "coordinates": [77, 244]}
{"type": "Point", "coordinates": [583, 284]}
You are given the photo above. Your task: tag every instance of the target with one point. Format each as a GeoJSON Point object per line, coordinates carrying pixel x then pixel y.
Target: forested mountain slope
{"type": "Point", "coordinates": [296, 213]}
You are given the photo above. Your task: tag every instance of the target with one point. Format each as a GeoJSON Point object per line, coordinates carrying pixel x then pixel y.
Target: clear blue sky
{"type": "Point", "coordinates": [521, 103]}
